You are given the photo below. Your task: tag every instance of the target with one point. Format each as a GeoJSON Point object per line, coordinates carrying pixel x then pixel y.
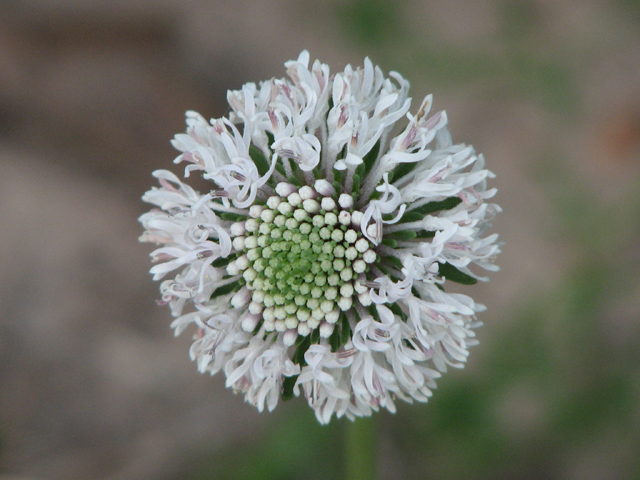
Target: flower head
{"type": "Point", "coordinates": [316, 264]}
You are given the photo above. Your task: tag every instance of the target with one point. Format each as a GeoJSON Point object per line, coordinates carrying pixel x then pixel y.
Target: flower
{"type": "Point", "coordinates": [316, 264]}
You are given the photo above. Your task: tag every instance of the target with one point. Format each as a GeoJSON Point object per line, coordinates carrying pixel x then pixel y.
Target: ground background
{"type": "Point", "coordinates": [93, 384]}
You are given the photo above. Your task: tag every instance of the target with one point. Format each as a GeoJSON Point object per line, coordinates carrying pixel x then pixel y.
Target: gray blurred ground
{"type": "Point", "coordinates": [94, 386]}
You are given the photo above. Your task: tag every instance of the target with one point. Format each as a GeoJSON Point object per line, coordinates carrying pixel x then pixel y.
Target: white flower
{"type": "Point", "coordinates": [316, 263]}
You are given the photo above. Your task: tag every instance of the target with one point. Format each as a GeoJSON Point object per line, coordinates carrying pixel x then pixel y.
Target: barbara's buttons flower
{"type": "Point", "coordinates": [317, 262]}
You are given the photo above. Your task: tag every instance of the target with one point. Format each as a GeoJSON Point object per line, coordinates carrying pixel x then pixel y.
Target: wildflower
{"type": "Point", "coordinates": [316, 264]}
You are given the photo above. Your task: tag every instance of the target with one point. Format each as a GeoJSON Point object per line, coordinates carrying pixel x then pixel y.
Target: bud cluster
{"type": "Point", "coordinates": [304, 260]}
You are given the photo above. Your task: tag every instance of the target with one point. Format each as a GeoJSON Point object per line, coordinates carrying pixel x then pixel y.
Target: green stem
{"type": "Point", "coordinates": [361, 446]}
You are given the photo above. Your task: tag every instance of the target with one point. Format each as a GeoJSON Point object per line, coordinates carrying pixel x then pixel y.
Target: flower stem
{"type": "Point", "coordinates": [361, 444]}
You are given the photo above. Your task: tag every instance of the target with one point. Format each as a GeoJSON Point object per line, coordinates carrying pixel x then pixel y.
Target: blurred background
{"type": "Point", "coordinates": [93, 384]}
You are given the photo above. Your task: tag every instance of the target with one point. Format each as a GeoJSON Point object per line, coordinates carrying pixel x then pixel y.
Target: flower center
{"type": "Point", "coordinates": [302, 258]}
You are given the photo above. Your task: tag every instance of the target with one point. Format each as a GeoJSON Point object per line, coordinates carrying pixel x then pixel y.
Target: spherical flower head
{"type": "Point", "coordinates": [317, 263]}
